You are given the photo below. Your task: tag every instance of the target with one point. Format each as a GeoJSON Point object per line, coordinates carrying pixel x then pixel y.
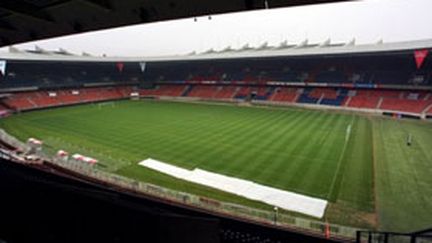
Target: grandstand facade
{"type": "Point", "coordinates": [393, 79]}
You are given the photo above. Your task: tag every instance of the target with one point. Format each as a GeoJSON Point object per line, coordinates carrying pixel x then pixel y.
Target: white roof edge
{"type": "Point", "coordinates": [252, 53]}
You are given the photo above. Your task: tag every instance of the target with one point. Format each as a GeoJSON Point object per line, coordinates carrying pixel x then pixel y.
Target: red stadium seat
{"type": "Point", "coordinates": [284, 95]}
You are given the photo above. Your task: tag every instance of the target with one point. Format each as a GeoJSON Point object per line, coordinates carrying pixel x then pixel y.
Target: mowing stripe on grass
{"type": "Point", "coordinates": [337, 176]}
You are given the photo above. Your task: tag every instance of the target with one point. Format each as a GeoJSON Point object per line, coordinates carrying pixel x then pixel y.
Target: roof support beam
{"type": "Point", "coordinates": [26, 9]}
{"type": "Point", "coordinates": [102, 4]}
{"type": "Point", "coordinates": [5, 41]}
{"type": "Point", "coordinates": [7, 26]}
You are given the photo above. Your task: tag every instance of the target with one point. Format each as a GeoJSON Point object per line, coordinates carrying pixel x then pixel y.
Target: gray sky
{"type": "Point", "coordinates": [368, 21]}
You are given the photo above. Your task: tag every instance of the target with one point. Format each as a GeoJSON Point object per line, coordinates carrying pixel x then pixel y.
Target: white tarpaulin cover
{"type": "Point", "coordinates": [287, 200]}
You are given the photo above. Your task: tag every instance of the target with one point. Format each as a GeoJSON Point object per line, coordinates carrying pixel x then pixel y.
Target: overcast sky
{"type": "Point", "coordinates": [367, 21]}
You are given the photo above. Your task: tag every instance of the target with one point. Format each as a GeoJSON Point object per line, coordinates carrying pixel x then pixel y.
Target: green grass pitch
{"type": "Point", "coordinates": [369, 175]}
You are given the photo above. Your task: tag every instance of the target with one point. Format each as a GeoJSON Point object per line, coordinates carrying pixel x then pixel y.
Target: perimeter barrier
{"type": "Point", "coordinates": [264, 216]}
{"type": "Point", "coordinates": [278, 218]}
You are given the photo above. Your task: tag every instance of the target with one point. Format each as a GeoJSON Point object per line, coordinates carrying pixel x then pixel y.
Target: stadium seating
{"type": "Point", "coordinates": [44, 99]}
{"type": "Point", "coordinates": [20, 101]}
{"type": "Point", "coordinates": [92, 94]}
{"type": "Point", "coordinates": [306, 98]}
{"type": "Point", "coordinates": [282, 94]}
{"type": "Point", "coordinates": [164, 90]}
{"type": "Point", "coordinates": [414, 106]}
{"type": "Point", "coordinates": [156, 91]}
{"type": "Point", "coordinates": [225, 92]}
{"type": "Point", "coordinates": [328, 96]}
{"type": "Point", "coordinates": [210, 91]}
{"type": "Point", "coordinates": [393, 100]}
{"type": "Point", "coordinates": [262, 93]}
{"type": "Point", "coordinates": [373, 81]}
{"type": "Point", "coordinates": [125, 91]}
{"type": "Point", "coordinates": [364, 102]}
{"type": "Point", "coordinates": [69, 96]}
{"type": "Point", "coordinates": [364, 99]}
{"type": "Point", "coordinates": [337, 100]}
{"type": "Point", "coordinates": [203, 91]}
{"type": "Point", "coordinates": [429, 111]}
{"type": "Point", "coordinates": [243, 92]}
{"type": "Point", "coordinates": [371, 99]}
{"type": "Point", "coordinates": [174, 90]}
{"type": "Point", "coordinates": [417, 102]}
{"type": "Point", "coordinates": [41, 99]}
{"type": "Point", "coordinates": [323, 96]}
{"type": "Point", "coordinates": [414, 102]}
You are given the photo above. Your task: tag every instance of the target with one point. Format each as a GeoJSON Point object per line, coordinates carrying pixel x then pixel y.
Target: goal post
{"type": "Point", "coordinates": [106, 104]}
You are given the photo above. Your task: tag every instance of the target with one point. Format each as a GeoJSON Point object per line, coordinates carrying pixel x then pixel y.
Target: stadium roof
{"type": "Point", "coordinates": [302, 49]}
{"type": "Point", "coordinates": [29, 20]}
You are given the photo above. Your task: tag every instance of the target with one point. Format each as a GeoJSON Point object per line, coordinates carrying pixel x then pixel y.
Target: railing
{"type": "Point", "coordinates": [4, 136]}
{"type": "Point", "coordinates": [280, 219]}
{"type": "Point", "coordinates": [390, 237]}
{"type": "Point", "coordinates": [263, 216]}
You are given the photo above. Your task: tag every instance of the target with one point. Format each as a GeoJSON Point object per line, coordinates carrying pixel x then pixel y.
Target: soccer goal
{"type": "Point", "coordinates": [105, 104]}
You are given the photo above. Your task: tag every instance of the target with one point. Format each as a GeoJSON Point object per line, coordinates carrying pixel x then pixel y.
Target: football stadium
{"type": "Point", "coordinates": [326, 139]}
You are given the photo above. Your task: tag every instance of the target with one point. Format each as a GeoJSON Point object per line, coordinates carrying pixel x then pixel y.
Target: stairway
{"type": "Point", "coordinates": [320, 99]}
{"type": "Point", "coordinates": [187, 90]}
{"type": "Point", "coordinates": [379, 103]}
{"type": "Point", "coordinates": [32, 102]}
{"type": "Point", "coordinates": [348, 101]}
{"type": "Point", "coordinates": [235, 92]}
{"type": "Point", "coordinates": [270, 92]}
{"type": "Point", "coordinates": [427, 109]}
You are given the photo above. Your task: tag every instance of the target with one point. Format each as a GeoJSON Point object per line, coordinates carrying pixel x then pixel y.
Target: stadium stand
{"type": "Point", "coordinates": [363, 99]}
{"type": "Point", "coordinates": [41, 99]}
{"type": "Point", "coordinates": [413, 102]}
{"type": "Point", "coordinates": [164, 90]}
{"type": "Point", "coordinates": [262, 93]}
{"type": "Point", "coordinates": [243, 92]}
{"type": "Point", "coordinates": [20, 101]}
{"type": "Point", "coordinates": [225, 92]}
{"type": "Point", "coordinates": [387, 81]}
{"type": "Point", "coordinates": [69, 96]}
{"type": "Point", "coordinates": [283, 94]}
{"type": "Point", "coordinates": [306, 98]}
{"type": "Point", "coordinates": [429, 110]}
{"type": "Point", "coordinates": [203, 91]}
{"type": "Point", "coordinates": [92, 94]}
{"type": "Point", "coordinates": [324, 96]}
{"type": "Point", "coordinates": [334, 98]}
